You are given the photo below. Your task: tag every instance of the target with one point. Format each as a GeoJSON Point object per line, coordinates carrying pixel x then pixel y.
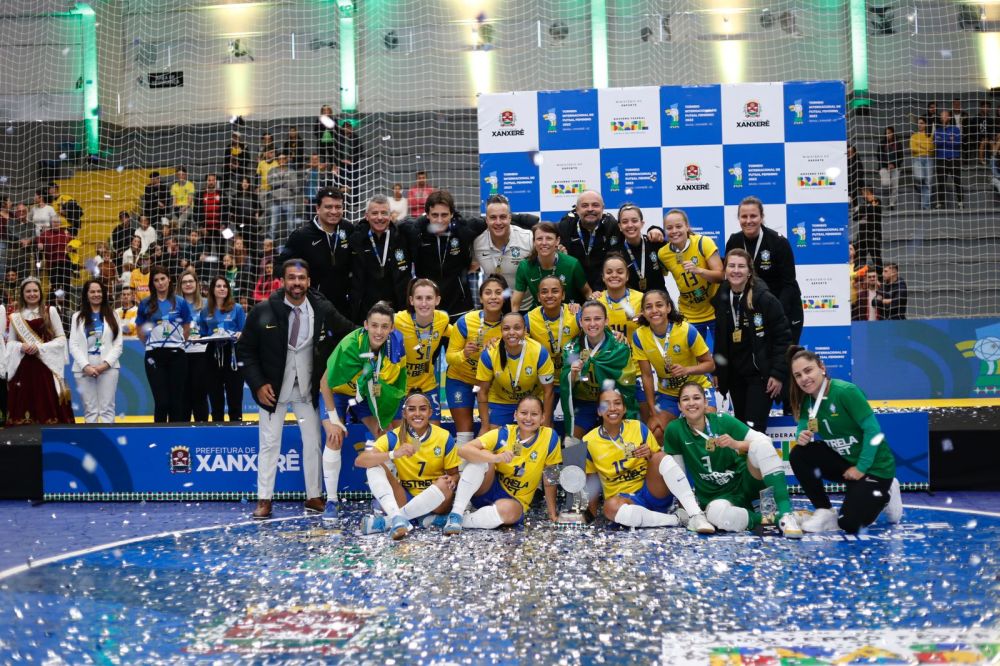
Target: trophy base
{"type": "Point", "coordinates": [571, 519]}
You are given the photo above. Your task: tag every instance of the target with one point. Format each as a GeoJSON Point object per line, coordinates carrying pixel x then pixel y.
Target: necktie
{"type": "Point", "coordinates": [293, 338]}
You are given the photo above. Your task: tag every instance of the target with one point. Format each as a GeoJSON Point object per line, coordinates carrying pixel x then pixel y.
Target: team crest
{"type": "Point", "coordinates": [758, 320]}
{"type": "Point", "coordinates": [437, 450]}
{"type": "Point", "coordinates": [527, 371]}
{"type": "Point", "coordinates": [833, 409]}
{"type": "Point", "coordinates": [565, 330]}
{"type": "Point", "coordinates": [180, 460]}
{"type": "Point", "coordinates": [342, 235]}
{"type": "Point", "coordinates": [653, 257]}
{"type": "Point", "coordinates": [692, 172]}
{"type": "Point", "coordinates": [515, 252]}
{"type": "Point", "coordinates": [562, 278]}
{"type": "Point", "coordinates": [613, 241]}
{"type": "Point", "coordinates": [400, 255]}
{"type": "Point", "coordinates": [765, 255]}
{"type": "Point", "coordinates": [454, 242]}
{"type": "Point", "coordinates": [457, 396]}
{"type": "Point", "coordinates": [752, 109]}
{"type": "Point", "coordinates": [677, 349]}
{"type": "Point", "coordinates": [507, 118]}
{"type": "Point", "coordinates": [694, 260]}
{"type": "Point", "coordinates": [534, 455]}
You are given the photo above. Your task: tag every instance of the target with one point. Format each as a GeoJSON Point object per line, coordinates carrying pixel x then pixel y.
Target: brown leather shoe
{"type": "Point", "coordinates": [315, 505]}
{"type": "Point", "coordinates": [263, 510]}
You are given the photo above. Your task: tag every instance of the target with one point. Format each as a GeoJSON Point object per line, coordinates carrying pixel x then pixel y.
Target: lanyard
{"type": "Point", "coordinates": [515, 380]}
{"type": "Point", "coordinates": [756, 249]}
{"type": "Point", "coordinates": [423, 339]}
{"type": "Point", "coordinates": [819, 401]}
{"type": "Point", "coordinates": [483, 326]}
{"type": "Point", "coordinates": [734, 307]}
{"type": "Point", "coordinates": [588, 246]}
{"type": "Point", "coordinates": [616, 304]}
{"type": "Point", "coordinates": [665, 346]}
{"type": "Point", "coordinates": [639, 268]}
{"type": "Point", "coordinates": [553, 343]}
{"type": "Point", "coordinates": [708, 430]}
{"type": "Point", "coordinates": [680, 252]}
{"type": "Point", "coordinates": [442, 255]}
{"type": "Point", "coordinates": [499, 260]}
{"type": "Point", "coordinates": [586, 345]}
{"type": "Point", "coordinates": [385, 250]}
{"type": "Point", "coordinates": [618, 440]}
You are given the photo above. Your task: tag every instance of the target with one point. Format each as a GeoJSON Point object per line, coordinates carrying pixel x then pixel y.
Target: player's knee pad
{"type": "Point", "coordinates": [727, 517]}
{"type": "Point", "coordinates": [764, 457]}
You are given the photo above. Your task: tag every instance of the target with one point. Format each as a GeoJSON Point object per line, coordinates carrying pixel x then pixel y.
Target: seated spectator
{"type": "Point", "coordinates": [105, 268]}
{"type": "Point", "coordinates": [139, 278]}
{"type": "Point", "coordinates": [397, 204]}
{"type": "Point", "coordinates": [245, 213]}
{"type": "Point", "coordinates": [146, 233]}
{"type": "Point", "coordinates": [126, 311]}
{"type": "Point", "coordinates": [121, 235]}
{"type": "Point", "coordinates": [182, 198]}
{"type": "Point", "coordinates": [266, 284]}
{"type": "Point", "coordinates": [868, 295]}
{"type": "Point", "coordinates": [237, 161]}
{"type": "Point", "coordinates": [890, 159]}
{"type": "Point", "coordinates": [172, 259]}
{"type": "Point", "coordinates": [891, 297]}
{"type": "Point", "coordinates": [131, 255]}
{"type": "Point", "coordinates": [241, 282]}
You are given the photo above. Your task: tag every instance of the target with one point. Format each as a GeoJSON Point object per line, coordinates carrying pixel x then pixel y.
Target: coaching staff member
{"type": "Point", "coordinates": [282, 353]}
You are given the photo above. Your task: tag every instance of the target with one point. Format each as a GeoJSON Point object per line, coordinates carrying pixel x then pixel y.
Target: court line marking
{"type": "Point", "coordinates": [34, 564]}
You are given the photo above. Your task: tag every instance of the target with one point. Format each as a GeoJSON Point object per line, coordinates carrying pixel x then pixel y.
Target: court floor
{"type": "Point", "coordinates": [149, 583]}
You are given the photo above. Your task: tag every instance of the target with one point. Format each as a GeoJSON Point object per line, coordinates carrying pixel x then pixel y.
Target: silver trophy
{"type": "Point", "coordinates": [574, 481]}
{"type": "Point", "coordinates": [768, 506]}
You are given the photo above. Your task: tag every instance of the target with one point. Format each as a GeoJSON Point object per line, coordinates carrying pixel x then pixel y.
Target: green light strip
{"type": "Point", "coordinates": [348, 59]}
{"type": "Point", "coordinates": [859, 52]}
{"type": "Point", "coordinates": [599, 41]}
{"type": "Point", "coordinates": [91, 109]}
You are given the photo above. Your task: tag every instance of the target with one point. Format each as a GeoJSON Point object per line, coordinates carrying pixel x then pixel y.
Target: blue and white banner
{"type": "Point", "coordinates": [699, 148]}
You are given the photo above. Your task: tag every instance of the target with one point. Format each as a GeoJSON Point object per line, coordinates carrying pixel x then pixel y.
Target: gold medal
{"type": "Point", "coordinates": [642, 284]}
{"type": "Point", "coordinates": [584, 354]}
{"type": "Point", "coordinates": [376, 390]}
{"type": "Point", "coordinates": [710, 444]}
{"type": "Point", "coordinates": [737, 335]}
{"type": "Point", "coordinates": [516, 448]}
{"type": "Point", "coordinates": [630, 448]}
{"type": "Point", "coordinates": [813, 425]}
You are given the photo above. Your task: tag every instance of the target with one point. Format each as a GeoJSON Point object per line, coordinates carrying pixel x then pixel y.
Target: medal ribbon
{"type": "Point", "coordinates": [756, 249]}
{"type": "Point", "coordinates": [734, 309]}
{"type": "Point", "coordinates": [385, 251]}
{"type": "Point", "coordinates": [663, 348]}
{"type": "Point", "coordinates": [556, 346]}
{"type": "Point", "coordinates": [515, 380]}
{"type": "Point", "coordinates": [639, 269]}
{"type": "Point", "coordinates": [587, 247]}
{"type": "Point", "coordinates": [819, 401]}
{"type": "Point", "coordinates": [707, 435]}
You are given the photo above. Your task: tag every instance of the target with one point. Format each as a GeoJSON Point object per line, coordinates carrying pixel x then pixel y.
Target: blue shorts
{"type": "Point", "coordinates": [501, 414]}
{"type": "Point", "coordinates": [350, 413]}
{"type": "Point", "coordinates": [707, 331]}
{"type": "Point", "coordinates": [585, 415]}
{"type": "Point", "coordinates": [435, 405]}
{"type": "Point", "coordinates": [459, 394]}
{"type": "Point", "coordinates": [669, 403]}
{"type": "Point", "coordinates": [494, 494]}
{"type": "Point", "coordinates": [648, 500]}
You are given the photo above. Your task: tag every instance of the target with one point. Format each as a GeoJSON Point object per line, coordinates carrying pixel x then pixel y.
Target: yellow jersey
{"type": "Point", "coordinates": [682, 344]}
{"type": "Point", "coordinates": [389, 370]}
{"type": "Point", "coordinates": [612, 460]}
{"type": "Point", "coordinates": [436, 454]}
{"type": "Point", "coordinates": [470, 326]}
{"type": "Point", "coordinates": [139, 282]}
{"type": "Point", "coordinates": [182, 193]}
{"type": "Point", "coordinates": [696, 292]}
{"type": "Point", "coordinates": [522, 375]}
{"type": "Point", "coordinates": [522, 475]}
{"type": "Point", "coordinates": [421, 344]}
{"type": "Point", "coordinates": [621, 318]}
{"type": "Point", "coordinates": [553, 334]}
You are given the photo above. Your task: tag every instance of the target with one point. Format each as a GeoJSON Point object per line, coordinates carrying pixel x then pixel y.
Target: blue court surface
{"type": "Point", "coordinates": [199, 583]}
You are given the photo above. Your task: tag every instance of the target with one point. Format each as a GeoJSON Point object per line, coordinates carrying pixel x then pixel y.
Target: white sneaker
{"type": "Point", "coordinates": [789, 526]}
{"type": "Point", "coordinates": [699, 523]}
{"type": "Point", "coordinates": [893, 511]}
{"type": "Point", "coordinates": [822, 520]}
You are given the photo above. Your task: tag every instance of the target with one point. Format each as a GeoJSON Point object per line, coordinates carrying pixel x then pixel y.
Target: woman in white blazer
{"type": "Point", "coordinates": [95, 344]}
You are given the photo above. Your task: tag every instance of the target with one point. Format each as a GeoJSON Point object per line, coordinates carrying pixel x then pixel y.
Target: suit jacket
{"type": "Point", "coordinates": [262, 350]}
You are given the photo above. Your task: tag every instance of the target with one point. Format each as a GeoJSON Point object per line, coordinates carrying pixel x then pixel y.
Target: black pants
{"type": "Point", "coordinates": [751, 403]}
{"type": "Point", "coordinates": [869, 244]}
{"type": "Point", "coordinates": [196, 388]}
{"type": "Point", "coordinates": [948, 170]}
{"type": "Point", "coordinates": [167, 372]}
{"type": "Point", "coordinates": [225, 383]}
{"type": "Point", "coordinates": [863, 500]}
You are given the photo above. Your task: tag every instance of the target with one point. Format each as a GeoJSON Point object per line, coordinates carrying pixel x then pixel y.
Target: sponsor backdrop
{"type": "Point", "coordinates": [931, 358]}
{"type": "Point", "coordinates": [220, 462]}
{"type": "Point", "coordinates": [700, 148]}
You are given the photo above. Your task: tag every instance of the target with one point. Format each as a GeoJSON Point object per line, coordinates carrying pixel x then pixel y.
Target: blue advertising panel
{"type": "Point", "coordinates": [757, 170]}
{"type": "Point", "coordinates": [567, 120]}
{"type": "Point", "coordinates": [816, 232]}
{"type": "Point", "coordinates": [831, 345]}
{"type": "Point", "coordinates": [930, 359]}
{"type": "Point", "coordinates": [815, 111]}
{"type": "Point", "coordinates": [692, 115]}
{"type": "Point", "coordinates": [631, 174]}
{"type": "Point", "coordinates": [514, 175]}
{"type": "Point", "coordinates": [707, 221]}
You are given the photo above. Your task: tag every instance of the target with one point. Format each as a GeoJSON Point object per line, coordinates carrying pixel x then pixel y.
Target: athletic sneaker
{"type": "Point", "coordinates": [400, 527]}
{"type": "Point", "coordinates": [893, 511]}
{"type": "Point", "coordinates": [373, 524]}
{"type": "Point", "coordinates": [453, 525]}
{"type": "Point", "coordinates": [822, 520]}
{"type": "Point", "coordinates": [789, 526]}
{"type": "Point", "coordinates": [682, 515]}
{"type": "Point", "coordinates": [433, 520]}
{"type": "Point", "coordinates": [332, 511]}
{"type": "Point", "coordinates": [699, 523]}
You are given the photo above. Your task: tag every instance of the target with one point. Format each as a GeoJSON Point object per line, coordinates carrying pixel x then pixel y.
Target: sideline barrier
{"type": "Point", "coordinates": [219, 462]}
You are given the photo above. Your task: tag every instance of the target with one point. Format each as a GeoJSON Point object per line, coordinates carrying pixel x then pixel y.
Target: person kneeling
{"type": "Point", "coordinates": [426, 463]}
{"type": "Point", "coordinates": [636, 478]}
{"type": "Point", "coordinates": [731, 464]}
{"type": "Point", "coordinates": [505, 468]}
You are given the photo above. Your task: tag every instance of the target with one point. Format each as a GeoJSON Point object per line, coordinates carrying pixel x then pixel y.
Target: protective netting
{"type": "Point", "coordinates": [95, 98]}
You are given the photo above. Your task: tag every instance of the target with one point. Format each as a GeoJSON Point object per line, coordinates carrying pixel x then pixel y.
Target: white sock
{"type": "Point", "coordinates": [382, 490]}
{"type": "Point", "coordinates": [678, 484]}
{"type": "Point", "coordinates": [487, 518]}
{"type": "Point", "coordinates": [633, 515]}
{"type": "Point", "coordinates": [464, 437]}
{"type": "Point", "coordinates": [331, 472]}
{"type": "Point", "coordinates": [764, 457]}
{"type": "Point", "coordinates": [468, 483]}
{"type": "Point", "coordinates": [424, 503]}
